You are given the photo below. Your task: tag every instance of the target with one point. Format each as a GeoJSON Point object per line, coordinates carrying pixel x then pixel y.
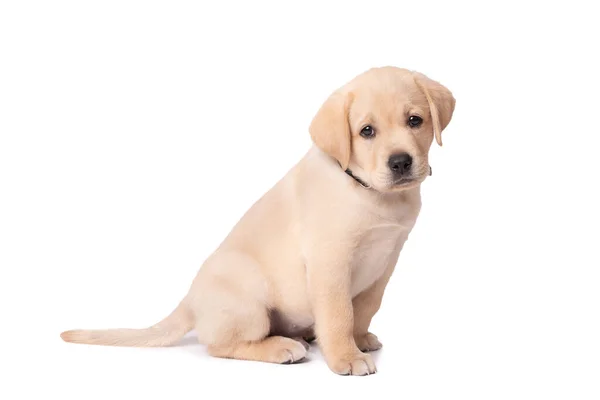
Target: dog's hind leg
{"type": "Point", "coordinates": [230, 301]}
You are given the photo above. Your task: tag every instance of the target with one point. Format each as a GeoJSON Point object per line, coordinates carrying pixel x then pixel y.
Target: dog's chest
{"type": "Point", "coordinates": [377, 249]}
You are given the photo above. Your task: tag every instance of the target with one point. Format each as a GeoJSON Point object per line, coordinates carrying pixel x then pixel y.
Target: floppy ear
{"type": "Point", "coordinates": [441, 103]}
{"type": "Point", "coordinates": [330, 128]}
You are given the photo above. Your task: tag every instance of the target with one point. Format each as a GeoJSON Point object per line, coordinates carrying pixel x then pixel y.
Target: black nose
{"type": "Point", "coordinates": [400, 163]}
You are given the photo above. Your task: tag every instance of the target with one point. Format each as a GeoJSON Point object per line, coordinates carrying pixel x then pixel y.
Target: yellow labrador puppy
{"type": "Point", "coordinates": [314, 254]}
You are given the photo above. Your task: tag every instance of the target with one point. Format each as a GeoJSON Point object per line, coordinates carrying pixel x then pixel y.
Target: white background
{"type": "Point", "coordinates": [135, 134]}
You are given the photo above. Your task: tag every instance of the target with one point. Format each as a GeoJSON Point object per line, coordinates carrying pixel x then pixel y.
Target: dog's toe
{"type": "Point", "coordinates": [359, 364]}
{"type": "Point", "coordinates": [292, 352]}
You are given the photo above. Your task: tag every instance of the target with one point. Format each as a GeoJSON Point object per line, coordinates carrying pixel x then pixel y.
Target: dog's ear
{"type": "Point", "coordinates": [330, 128]}
{"type": "Point", "coordinates": [441, 103]}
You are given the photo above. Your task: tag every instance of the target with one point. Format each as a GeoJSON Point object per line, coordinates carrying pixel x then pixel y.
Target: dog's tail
{"type": "Point", "coordinates": [167, 332]}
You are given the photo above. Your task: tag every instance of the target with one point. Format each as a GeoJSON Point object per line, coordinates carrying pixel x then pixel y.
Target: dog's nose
{"type": "Point", "coordinates": [400, 163]}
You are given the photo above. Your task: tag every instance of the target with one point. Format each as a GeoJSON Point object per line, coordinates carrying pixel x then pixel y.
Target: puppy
{"type": "Point", "coordinates": [313, 256]}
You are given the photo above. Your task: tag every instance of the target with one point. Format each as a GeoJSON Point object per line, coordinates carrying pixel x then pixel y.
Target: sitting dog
{"type": "Point", "coordinates": [313, 256]}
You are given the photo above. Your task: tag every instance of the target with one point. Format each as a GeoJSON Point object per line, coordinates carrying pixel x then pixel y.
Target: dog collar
{"type": "Point", "coordinates": [357, 179]}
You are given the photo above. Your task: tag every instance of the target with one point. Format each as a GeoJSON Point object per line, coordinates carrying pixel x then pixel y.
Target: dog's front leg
{"type": "Point", "coordinates": [329, 286]}
{"type": "Point", "coordinates": [365, 305]}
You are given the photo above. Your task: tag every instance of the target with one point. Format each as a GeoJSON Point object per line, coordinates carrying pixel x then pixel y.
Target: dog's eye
{"type": "Point", "coordinates": [414, 121]}
{"type": "Point", "coordinates": [367, 132]}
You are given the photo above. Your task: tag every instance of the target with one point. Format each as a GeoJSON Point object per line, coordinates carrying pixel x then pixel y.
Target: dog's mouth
{"type": "Point", "coordinates": [403, 182]}
{"type": "Point", "coordinates": [407, 181]}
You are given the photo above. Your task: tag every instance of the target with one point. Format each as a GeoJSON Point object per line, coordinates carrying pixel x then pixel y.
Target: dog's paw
{"type": "Point", "coordinates": [291, 351]}
{"type": "Point", "coordinates": [357, 364]}
{"type": "Point", "coordinates": [368, 342]}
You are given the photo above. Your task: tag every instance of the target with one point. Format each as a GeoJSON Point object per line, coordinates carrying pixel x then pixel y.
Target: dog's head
{"type": "Point", "coordinates": [381, 125]}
